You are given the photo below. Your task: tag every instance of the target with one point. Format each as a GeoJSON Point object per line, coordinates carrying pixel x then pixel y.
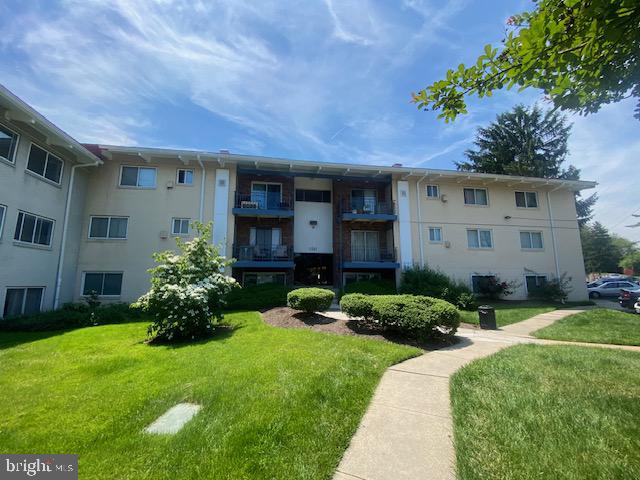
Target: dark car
{"type": "Point", "coordinates": [629, 297]}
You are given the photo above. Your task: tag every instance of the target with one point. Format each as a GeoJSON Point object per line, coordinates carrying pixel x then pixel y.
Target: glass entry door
{"type": "Point", "coordinates": [266, 195]}
{"type": "Point", "coordinates": [365, 246]}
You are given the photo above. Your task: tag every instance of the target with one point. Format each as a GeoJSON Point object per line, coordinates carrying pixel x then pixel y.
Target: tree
{"type": "Point", "coordinates": [601, 254]}
{"type": "Point", "coordinates": [632, 261]}
{"type": "Point", "coordinates": [528, 143]}
{"type": "Point", "coordinates": [581, 53]}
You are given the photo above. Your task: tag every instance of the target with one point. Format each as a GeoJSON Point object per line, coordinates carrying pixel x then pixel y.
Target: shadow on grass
{"type": "Point", "coordinates": [220, 333]}
{"type": "Point", "coordinates": [10, 339]}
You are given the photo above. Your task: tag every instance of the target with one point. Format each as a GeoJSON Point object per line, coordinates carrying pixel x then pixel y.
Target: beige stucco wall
{"type": "Point", "coordinates": [506, 259]}
{"type": "Point", "coordinates": [150, 212]}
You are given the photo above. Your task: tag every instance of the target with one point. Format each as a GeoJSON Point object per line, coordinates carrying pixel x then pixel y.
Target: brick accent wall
{"type": "Point", "coordinates": [244, 224]}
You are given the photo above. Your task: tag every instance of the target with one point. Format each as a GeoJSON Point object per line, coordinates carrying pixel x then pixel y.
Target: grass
{"type": "Point", "coordinates": [535, 411]}
{"type": "Point", "coordinates": [596, 326]}
{"type": "Point", "coordinates": [276, 403]}
{"type": "Point", "coordinates": [508, 312]}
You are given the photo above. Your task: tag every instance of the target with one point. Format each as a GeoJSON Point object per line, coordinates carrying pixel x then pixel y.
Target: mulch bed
{"type": "Point", "coordinates": [286, 317]}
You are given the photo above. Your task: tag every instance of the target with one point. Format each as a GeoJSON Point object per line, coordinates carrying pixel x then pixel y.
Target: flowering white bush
{"type": "Point", "coordinates": [188, 289]}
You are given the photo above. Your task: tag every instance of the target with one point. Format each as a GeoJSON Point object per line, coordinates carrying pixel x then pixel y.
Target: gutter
{"type": "Point", "coordinates": [420, 227]}
{"type": "Point", "coordinates": [202, 185]}
{"type": "Point", "coordinates": [553, 235]}
{"type": "Point", "coordinates": [63, 243]}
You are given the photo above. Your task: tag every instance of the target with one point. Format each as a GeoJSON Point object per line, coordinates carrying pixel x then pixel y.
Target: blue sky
{"type": "Point", "coordinates": [323, 80]}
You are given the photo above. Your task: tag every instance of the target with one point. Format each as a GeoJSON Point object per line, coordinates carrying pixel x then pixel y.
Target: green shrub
{"type": "Point", "coordinates": [258, 297]}
{"type": "Point", "coordinates": [432, 283]}
{"type": "Point", "coordinates": [411, 315]}
{"type": "Point", "coordinates": [310, 299]}
{"type": "Point", "coordinates": [372, 287]}
{"type": "Point", "coordinates": [491, 287]}
{"type": "Point", "coordinates": [555, 290]}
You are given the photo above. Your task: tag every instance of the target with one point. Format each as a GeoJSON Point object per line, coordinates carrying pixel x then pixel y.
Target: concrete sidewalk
{"type": "Point", "coordinates": [407, 431]}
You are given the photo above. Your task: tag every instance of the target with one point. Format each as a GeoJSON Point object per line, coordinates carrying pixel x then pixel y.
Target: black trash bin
{"type": "Point", "coordinates": [487, 316]}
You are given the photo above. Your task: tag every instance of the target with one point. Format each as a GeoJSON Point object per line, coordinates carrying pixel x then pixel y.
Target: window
{"type": "Point", "coordinates": [23, 301]}
{"type": "Point", "coordinates": [535, 283]}
{"type": "Point", "coordinates": [433, 191]}
{"type": "Point", "coordinates": [477, 238]}
{"type": "Point", "coordinates": [435, 234]}
{"type": "Point", "coordinates": [364, 200]}
{"type": "Point", "coordinates": [475, 196]}
{"type": "Point", "coordinates": [180, 226]}
{"type": "Point", "coordinates": [44, 164]}
{"type": "Point", "coordinates": [102, 283]}
{"type": "Point", "coordinates": [526, 200]}
{"type": "Point", "coordinates": [260, 278]}
{"type": "Point", "coordinates": [531, 240]}
{"type": "Point", "coordinates": [8, 144]}
{"type": "Point", "coordinates": [477, 282]}
{"type": "Point", "coordinates": [3, 211]}
{"type": "Point", "coordinates": [114, 228]}
{"type": "Point", "coordinates": [33, 229]}
{"type": "Point", "coordinates": [352, 277]}
{"type": "Point", "coordinates": [266, 195]}
{"type": "Point", "coordinates": [185, 177]}
{"type": "Point", "coordinates": [365, 246]}
{"type": "Point", "coordinates": [320, 196]}
{"type": "Point", "coordinates": [140, 177]}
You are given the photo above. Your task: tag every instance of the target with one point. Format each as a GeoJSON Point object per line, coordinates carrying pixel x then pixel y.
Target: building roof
{"type": "Point", "coordinates": [15, 110]}
{"type": "Point", "coordinates": [310, 168]}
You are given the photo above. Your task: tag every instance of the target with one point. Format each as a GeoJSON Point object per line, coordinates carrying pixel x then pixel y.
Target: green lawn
{"type": "Point", "coordinates": [534, 411]}
{"type": "Point", "coordinates": [596, 326]}
{"type": "Point", "coordinates": [508, 312]}
{"type": "Point", "coordinates": [276, 403]}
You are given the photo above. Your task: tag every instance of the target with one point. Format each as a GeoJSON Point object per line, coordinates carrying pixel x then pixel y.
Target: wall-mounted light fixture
{"type": "Point", "coordinates": [507, 217]}
{"type": "Point", "coordinates": [313, 223]}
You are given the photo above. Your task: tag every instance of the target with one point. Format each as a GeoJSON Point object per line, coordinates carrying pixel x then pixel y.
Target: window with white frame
{"type": "Point", "coordinates": [527, 199]}
{"type": "Point", "coordinates": [44, 164]}
{"type": "Point", "coordinates": [104, 284]}
{"type": "Point", "coordinates": [435, 234]}
{"type": "Point", "coordinates": [180, 226]}
{"type": "Point", "coordinates": [138, 177]}
{"type": "Point", "coordinates": [112, 228]}
{"type": "Point", "coordinates": [260, 278]}
{"type": "Point", "coordinates": [22, 301]}
{"type": "Point", "coordinates": [33, 229]}
{"type": "Point", "coordinates": [476, 196]}
{"type": "Point", "coordinates": [535, 283]}
{"type": "Point", "coordinates": [478, 238]}
{"type": "Point", "coordinates": [184, 176]}
{"type": "Point", "coordinates": [433, 191]}
{"type": "Point", "coordinates": [8, 144]}
{"type": "Point", "coordinates": [3, 212]}
{"type": "Point", "coordinates": [531, 240]}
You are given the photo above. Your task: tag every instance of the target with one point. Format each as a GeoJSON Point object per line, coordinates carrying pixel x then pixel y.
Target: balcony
{"type": "Point", "coordinates": [371, 257]}
{"type": "Point", "coordinates": [262, 204]}
{"type": "Point", "coordinates": [368, 209]}
{"type": "Point", "coordinates": [261, 256]}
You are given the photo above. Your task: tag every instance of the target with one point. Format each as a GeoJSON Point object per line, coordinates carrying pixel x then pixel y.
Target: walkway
{"type": "Point", "coordinates": [407, 432]}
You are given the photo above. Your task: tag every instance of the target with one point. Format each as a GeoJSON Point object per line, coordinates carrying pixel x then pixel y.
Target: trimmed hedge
{"type": "Point", "coordinates": [372, 287]}
{"type": "Point", "coordinates": [310, 299]}
{"type": "Point", "coordinates": [72, 315]}
{"type": "Point", "coordinates": [432, 283]}
{"type": "Point", "coordinates": [258, 297]}
{"type": "Point", "coordinates": [415, 316]}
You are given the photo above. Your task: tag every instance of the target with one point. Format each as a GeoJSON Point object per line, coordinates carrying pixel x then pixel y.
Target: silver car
{"type": "Point", "coordinates": [609, 289]}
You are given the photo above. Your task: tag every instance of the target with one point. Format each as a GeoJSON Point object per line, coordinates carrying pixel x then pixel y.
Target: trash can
{"type": "Point", "coordinates": [487, 315]}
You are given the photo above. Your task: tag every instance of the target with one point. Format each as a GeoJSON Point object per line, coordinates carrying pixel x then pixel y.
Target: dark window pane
{"type": "Point", "coordinates": [129, 176]}
{"type": "Point", "coordinates": [92, 283]}
{"type": "Point", "coordinates": [28, 228]}
{"type": "Point", "coordinates": [13, 302]}
{"type": "Point", "coordinates": [520, 201]}
{"type": "Point", "coordinates": [8, 142]}
{"type": "Point", "coordinates": [532, 200]}
{"type": "Point", "coordinates": [99, 226]}
{"type": "Point", "coordinates": [118, 228]}
{"type": "Point", "coordinates": [43, 232]}
{"type": "Point", "coordinates": [37, 160]}
{"type": "Point", "coordinates": [112, 284]}
{"type": "Point", "coordinates": [54, 169]}
{"type": "Point", "coordinates": [33, 301]}
{"type": "Point", "coordinates": [16, 235]}
{"type": "Point", "coordinates": [469, 197]}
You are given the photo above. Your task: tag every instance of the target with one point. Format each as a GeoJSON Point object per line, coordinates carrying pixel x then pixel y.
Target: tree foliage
{"type": "Point", "coordinates": [601, 254]}
{"type": "Point", "coordinates": [581, 53]}
{"type": "Point", "coordinates": [530, 143]}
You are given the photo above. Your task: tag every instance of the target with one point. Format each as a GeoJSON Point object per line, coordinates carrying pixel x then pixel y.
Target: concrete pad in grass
{"type": "Point", "coordinates": [174, 419]}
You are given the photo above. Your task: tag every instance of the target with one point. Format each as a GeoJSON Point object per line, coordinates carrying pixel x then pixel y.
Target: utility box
{"type": "Point", "coordinates": [487, 315]}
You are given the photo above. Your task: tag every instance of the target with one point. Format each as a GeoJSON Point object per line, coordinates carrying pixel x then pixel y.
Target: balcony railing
{"type": "Point", "coordinates": [372, 254]}
{"type": "Point", "coordinates": [260, 253]}
{"type": "Point", "coordinates": [262, 201]}
{"type": "Point", "coordinates": [368, 206]}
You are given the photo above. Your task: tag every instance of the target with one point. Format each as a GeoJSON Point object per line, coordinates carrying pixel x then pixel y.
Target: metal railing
{"type": "Point", "coordinates": [368, 206]}
{"type": "Point", "coordinates": [372, 253]}
{"type": "Point", "coordinates": [262, 201]}
{"type": "Point", "coordinates": [263, 253]}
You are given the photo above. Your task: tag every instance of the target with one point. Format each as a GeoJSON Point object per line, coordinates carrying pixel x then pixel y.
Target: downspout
{"type": "Point", "coordinates": [418, 201]}
{"type": "Point", "coordinates": [202, 184]}
{"type": "Point", "coordinates": [65, 224]}
{"type": "Point", "coordinates": [553, 235]}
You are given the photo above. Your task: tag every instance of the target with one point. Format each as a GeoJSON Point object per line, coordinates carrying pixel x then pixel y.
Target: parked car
{"type": "Point", "coordinates": [629, 298]}
{"type": "Point", "coordinates": [610, 289]}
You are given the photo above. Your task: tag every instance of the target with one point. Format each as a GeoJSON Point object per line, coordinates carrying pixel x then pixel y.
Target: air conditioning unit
{"type": "Point", "coordinates": [447, 244]}
{"type": "Point", "coordinates": [164, 234]}
{"type": "Point", "coordinates": [443, 198]}
{"type": "Point", "coordinates": [169, 184]}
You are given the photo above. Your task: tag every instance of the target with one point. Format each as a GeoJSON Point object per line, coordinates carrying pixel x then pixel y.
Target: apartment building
{"type": "Point", "coordinates": [66, 230]}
